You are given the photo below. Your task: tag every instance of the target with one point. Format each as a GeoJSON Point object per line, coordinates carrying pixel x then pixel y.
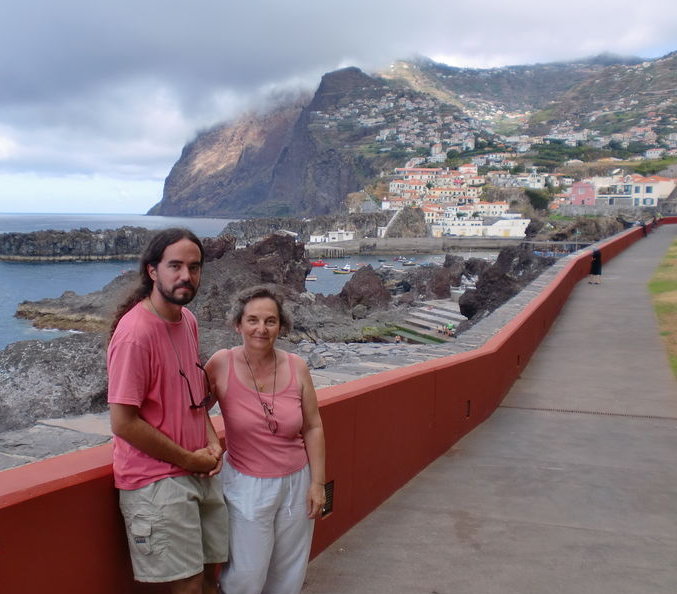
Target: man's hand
{"type": "Point", "coordinates": [201, 461]}
{"type": "Point", "coordinates": [217, 450]}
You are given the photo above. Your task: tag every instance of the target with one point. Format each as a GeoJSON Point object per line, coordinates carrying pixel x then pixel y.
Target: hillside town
{"type": "Point", "coordinates": [430, 134]}
{"type": "Point", "coordinates": [413, 122]}
{"type": "Point", "coordinates": [452, 203]}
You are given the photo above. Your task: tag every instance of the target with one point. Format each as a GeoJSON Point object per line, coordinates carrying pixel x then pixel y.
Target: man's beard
{"type": "Point", "coordinates": [171, 298]}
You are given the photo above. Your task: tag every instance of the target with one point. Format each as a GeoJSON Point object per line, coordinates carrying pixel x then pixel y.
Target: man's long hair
{"type": "Point", "coordinates": [152, 255]}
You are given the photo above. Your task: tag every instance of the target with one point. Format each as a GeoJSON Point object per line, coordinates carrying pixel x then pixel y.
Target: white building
{"type": "Point", "coordinates": [473, 227]}
{"type": "Point", "coordinates": [340, 235]}
{"type": "Point", "coordinates": [491, 209]}
{"type": "Point", "coordinates": [505, 227]}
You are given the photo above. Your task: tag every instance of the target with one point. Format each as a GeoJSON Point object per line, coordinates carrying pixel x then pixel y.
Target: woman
{"type": "Point", "coordinates": [273, 478]}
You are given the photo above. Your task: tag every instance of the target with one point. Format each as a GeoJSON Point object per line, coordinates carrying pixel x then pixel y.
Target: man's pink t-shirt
{"type": "Point", "coordinates": [143, 371]}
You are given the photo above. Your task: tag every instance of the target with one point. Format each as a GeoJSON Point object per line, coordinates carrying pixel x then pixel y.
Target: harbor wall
{"type": "Point", "coordinates": [61, 528]}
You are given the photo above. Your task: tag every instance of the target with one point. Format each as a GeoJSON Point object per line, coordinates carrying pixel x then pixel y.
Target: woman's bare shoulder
{"type": "Point", "coordinates": [219, 358]}
{"type": "Point", "coordinates": [297, 361]}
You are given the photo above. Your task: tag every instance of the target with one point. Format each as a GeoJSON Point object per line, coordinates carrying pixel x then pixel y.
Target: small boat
{"type": "Point", "coordinates": [318, 263]}
{"type": "Point", "coordinates": [408, 263]}
{"type": "Point", "coordinates": [311, 278]}
{"type": "Point", "coordinates": [330, 267]}
{"type": "Point", "coordinates": [344, 270]}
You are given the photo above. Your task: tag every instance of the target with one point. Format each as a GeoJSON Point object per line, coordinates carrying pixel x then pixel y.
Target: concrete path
{"type": "Point", "coordinates": [570, 487]}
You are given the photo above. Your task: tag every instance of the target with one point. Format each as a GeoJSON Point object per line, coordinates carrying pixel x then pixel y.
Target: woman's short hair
{"type": "Point", "coordinates": [260, 292]}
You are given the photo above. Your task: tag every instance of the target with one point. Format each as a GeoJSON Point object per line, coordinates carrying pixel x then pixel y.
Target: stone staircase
{"type": "Point", "coordinates": [422, 323]}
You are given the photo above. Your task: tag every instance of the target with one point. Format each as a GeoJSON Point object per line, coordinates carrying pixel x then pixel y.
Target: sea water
{"type": "Point", "coordinates": [31, 281]}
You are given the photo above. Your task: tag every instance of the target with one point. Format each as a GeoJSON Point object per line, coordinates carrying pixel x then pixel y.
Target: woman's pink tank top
{"type": "Point", "coordinates": [252, 448]}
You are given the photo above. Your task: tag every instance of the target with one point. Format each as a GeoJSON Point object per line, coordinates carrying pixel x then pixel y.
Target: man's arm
{"type": "Point", "coordinates": [128, 425]}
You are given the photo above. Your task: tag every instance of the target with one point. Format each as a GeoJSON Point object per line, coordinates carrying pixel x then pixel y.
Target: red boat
{"type": "Point", "coordinates": [318, 263]}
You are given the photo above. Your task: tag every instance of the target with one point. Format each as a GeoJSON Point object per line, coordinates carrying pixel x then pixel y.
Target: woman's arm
{"type": "Point", "coordinates": [217, 372]}
{"type": "Point", "coordinates": [313, 436]}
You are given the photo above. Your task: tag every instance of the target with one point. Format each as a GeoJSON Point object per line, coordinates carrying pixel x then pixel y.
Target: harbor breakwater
{"type": "Point", "coordinates": [125, 243]}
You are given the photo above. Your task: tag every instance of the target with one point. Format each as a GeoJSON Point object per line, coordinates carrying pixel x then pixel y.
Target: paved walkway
{"type": "Point", "coordinates": [570, 487]}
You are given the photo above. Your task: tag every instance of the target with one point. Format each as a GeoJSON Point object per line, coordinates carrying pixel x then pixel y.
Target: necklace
{"type": "Point", "coordinates": [268, 409]}
{"type": "Point", "coordinates": [182, 373]}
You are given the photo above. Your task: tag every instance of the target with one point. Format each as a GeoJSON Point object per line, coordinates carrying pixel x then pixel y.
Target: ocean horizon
{"type": "Point", "coordinates": [32, 281]}
{"type": "Point", "coordinates": [28, 222]}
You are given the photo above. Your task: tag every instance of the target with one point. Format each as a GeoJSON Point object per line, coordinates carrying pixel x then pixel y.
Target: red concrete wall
{"type": "Point", "coordinates": [59, 517]}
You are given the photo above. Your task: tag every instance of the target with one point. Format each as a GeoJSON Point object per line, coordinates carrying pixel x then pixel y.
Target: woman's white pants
{"type": "Point", "coordinates": [270, 533]}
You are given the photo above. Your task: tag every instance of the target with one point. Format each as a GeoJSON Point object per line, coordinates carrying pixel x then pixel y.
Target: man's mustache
{"type": "Point", "coordinates": [185, 285]}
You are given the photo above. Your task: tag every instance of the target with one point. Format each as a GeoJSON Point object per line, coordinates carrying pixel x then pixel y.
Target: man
{"type": "Point", "coordinates": [165, 450]}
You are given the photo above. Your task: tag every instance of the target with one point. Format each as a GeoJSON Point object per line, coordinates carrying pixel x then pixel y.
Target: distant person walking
{"type": "Point", "coordinates": [165, 449]}
{"type": "Point", "coordinates": [595, 277]}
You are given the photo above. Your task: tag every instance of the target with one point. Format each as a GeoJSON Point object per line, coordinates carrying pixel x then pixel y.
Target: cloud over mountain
{"type": "Point", "coordinates": [115, 89]}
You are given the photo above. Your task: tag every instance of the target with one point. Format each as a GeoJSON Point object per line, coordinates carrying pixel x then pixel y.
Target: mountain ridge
{"type": "Point", "coordinates": [305, 156]}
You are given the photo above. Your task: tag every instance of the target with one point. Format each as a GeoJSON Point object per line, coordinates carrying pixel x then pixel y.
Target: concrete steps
{"type": "Point", "coordinates": [424, 321]}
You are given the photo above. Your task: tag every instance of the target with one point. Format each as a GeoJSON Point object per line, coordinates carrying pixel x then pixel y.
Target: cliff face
{"type": "Point", "coordinates": [282, 164]}
{"type": "Point", "coordinates": [227, 169]}
{"type": "Point", "coordinates": [304, 159]}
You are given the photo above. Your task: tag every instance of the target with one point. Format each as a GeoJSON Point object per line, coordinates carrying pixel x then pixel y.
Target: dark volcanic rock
{"type": "Point", "coordinates": [80, 244]}
{"type": "Point", "coordinates": [514, 268]}
{"type": "Point", "coordinates": [456, 266]}
{"type": "Point", "coordinates": [65, 376]}
{"type": "Point", "coordinates": [216, 247]}
{"type": "Point", "coordinates": [428, 282]}
{"type": "Point", "coordinates": [277, 259]}
{"type": "Point", "coordinates": [476, 266]}
{"type": "Point", "coordinates": [363, 292]}
{"type": "Point", "coordinates": [581, 229]}
{"type": "Point", "coordinates": [92, 312]}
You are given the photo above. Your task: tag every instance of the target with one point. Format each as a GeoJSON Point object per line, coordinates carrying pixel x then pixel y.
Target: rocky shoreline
{"type": "Point", "coordinates": [125, 243]}
{"type": "Point", "coordinates": [67, 375]}
{"type": "Point", "coordinates": [330, 363]}
{"type": "Point", "coordinates": [342, 336]}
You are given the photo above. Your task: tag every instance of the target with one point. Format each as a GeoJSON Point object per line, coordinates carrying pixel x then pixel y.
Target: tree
{"type": "Point", "coordinates": [538, 198]}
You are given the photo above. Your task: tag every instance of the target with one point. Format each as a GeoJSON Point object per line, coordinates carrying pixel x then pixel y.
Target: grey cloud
{"type": "Point", "coordinates": [133, 81]}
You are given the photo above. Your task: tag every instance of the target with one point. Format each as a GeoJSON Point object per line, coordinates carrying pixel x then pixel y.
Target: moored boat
{"type": "Point", "coordinates": [318, 263]}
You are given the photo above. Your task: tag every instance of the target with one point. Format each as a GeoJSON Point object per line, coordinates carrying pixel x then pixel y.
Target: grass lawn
{"type": "Point", "coordinates": [663, 288]}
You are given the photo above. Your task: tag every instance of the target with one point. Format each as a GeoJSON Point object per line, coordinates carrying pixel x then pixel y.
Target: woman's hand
{"type": "Point", "coordinates": [315, 500]}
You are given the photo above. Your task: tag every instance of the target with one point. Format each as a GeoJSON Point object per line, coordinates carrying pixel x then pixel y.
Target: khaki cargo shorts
{"type": "Point", "coordinates": [175, 526]}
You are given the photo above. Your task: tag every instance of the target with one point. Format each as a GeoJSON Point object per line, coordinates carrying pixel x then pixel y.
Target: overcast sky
{"type": "Point", "coordinates": [97, 98]}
